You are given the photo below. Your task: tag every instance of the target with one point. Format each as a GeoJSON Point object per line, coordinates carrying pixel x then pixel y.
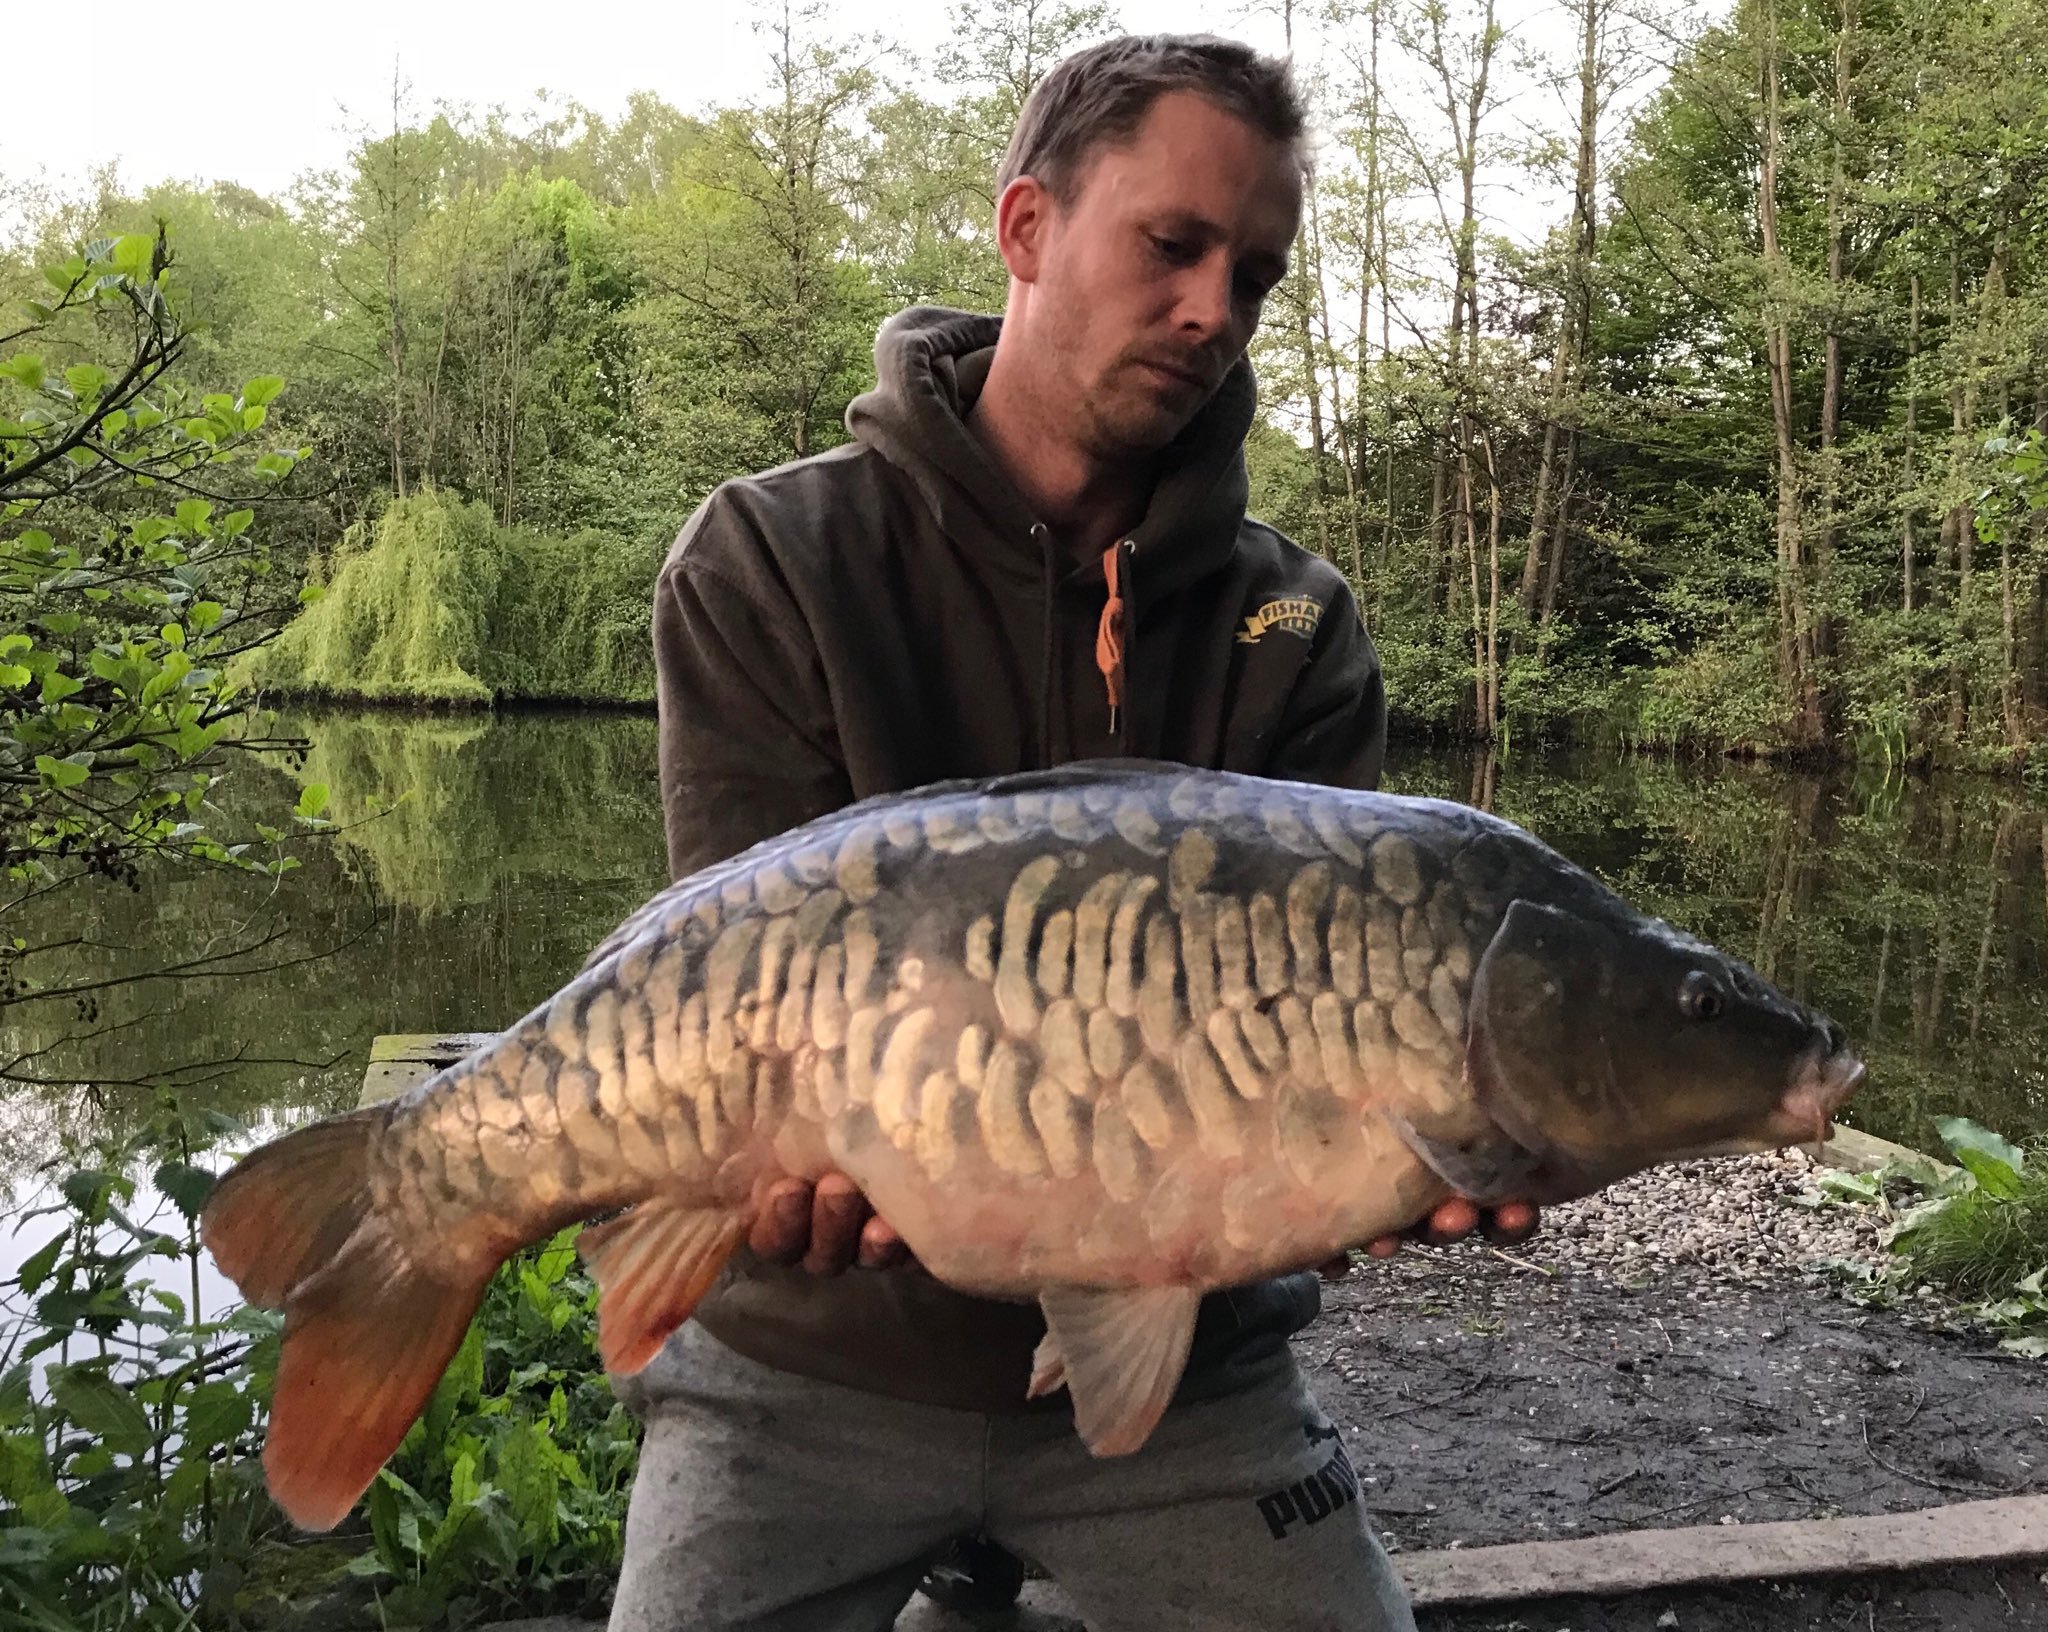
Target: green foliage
{"type": "Point", "coordinates": [129, 579]}
{"type": "Point", "coordinates": [509, 1493]}
{"type": "Point", "coordinates": [1978, 1233]}
{"type": "Point", "coordinates": [444, 606]}
{"type": "Point", "coordinates": [407, 617]}
{"type": "Point", "coordinates": [132, 1420]}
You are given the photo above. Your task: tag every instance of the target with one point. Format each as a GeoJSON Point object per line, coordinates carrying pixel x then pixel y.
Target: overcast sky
{"type": "Point", "coordinates": [257, 95]}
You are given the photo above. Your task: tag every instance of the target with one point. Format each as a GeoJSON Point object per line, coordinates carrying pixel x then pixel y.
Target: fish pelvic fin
{"type": "Point", "coordinates": [1120, 1354]}
{"type": "Point", "coordinates": [652, 1265]}
{"type": "Point", "coordinates": [368, 1330]}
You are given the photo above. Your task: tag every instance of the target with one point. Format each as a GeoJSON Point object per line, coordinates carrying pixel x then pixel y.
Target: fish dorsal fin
{"type": "Point", "coordinates": [652, 1266]}
{"type": "Point", "coordinates": [1120, 1355]}
{"type": "Point", "coordinates": [1079, 773]}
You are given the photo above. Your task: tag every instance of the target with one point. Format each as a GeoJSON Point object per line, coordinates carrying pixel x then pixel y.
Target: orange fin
{"type": "Point", "coordinates": [367, 1331]}
{"type": "Point", "coordinates": [1120, 1354]}
{"type": "Point", "coordinates": [652, 1265]}
{"type": "Point", "coordinates": [286, 1209]}
{"type": "Point", "coordinates": [365, 1343]}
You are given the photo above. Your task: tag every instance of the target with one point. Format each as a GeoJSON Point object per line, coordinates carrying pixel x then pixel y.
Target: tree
{"type": "Point", "coordinates": [126, 588]}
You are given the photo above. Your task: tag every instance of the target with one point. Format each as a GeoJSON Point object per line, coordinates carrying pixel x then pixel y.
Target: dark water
{"type": "Point", "coordinates": [484, 858]}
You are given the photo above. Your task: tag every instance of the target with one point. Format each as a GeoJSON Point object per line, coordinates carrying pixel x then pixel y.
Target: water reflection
{"type": "Point", "coordinates": [480, 860]}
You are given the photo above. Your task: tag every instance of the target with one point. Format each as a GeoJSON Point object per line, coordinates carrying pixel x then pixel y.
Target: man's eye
{"type": "Point", "coordinates": [1173, 249]}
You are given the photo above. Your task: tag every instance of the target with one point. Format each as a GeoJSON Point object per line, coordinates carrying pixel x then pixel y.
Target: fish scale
{"type": "Point", "coordinates": [1105, 1037]}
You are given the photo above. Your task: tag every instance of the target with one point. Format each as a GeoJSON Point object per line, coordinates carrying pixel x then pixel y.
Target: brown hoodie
{"type": "Point", "coordinates": [890, 614]}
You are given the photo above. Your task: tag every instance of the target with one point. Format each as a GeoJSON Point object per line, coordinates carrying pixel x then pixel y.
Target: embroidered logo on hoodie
{"type": "Point", "coordinates": [1298, 616]}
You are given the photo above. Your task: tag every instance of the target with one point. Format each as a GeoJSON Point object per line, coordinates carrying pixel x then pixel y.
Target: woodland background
{"type": "Point", "coordinates": [1663, 380]}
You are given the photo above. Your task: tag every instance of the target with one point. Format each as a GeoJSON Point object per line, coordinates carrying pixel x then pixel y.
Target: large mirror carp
{"type": "Point", "coordinates": [1107, 1037]}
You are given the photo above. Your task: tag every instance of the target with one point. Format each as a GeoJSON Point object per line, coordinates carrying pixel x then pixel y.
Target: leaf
{"type": "Point", "coordinates": [216, 1414]}
{"type": "Point", "coordinates": [13, 676]}
{"type": "Point", "coordinates": [194, 515]}
{"type": "Point", "coordinates": [264, 388]}
{"type": "Point", "coordinates": [1995, 1163]}
{"type": "Point", "coordinates": [172, 634]}
{"type": "Point", "coordinates": [101, 1406]}
{"type": "Point", "coordinates": [35, 1269]}
{"type": "Point", "coordinates": [186, 1186]}
{"type": "Point", "coordinates": [86, 379]}
{"type": "Point", "coordinates": [131, 254]}
{"type": "Point", "coordinates": [12, 643]}
{"type": "Point", "coordinates": [26, 369]}
{"type": "Point", "coordinates": [204, 615]}
{"type": "Point", "coordinates": [2034, 1346]}
{"type": "Point", "coordinates": [62, 773]}
{"type": "Point", "coordinates": [1851, 1187]}
{"type": "Point", "coordinates": [312, 800]}
{"type": "Point", "coordinates": [17, 1402]}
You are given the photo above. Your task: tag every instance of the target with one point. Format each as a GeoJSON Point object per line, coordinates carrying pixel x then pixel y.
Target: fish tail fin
{"type": "Point", "coordinates": [368, 1330]}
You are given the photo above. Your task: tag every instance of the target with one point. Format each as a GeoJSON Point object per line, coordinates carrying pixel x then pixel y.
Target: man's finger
{"type": "Point", "coordinates": [782, 1226]}
{"type": "Point", "coordinates": [838, 1212]}
{"type": "Point", "coordinates": [1511, 1222]}
{"type": "Point", "coordinates": [880, 1246]}
{"type": "Point", "coordinates": [1384, 1246]}
{"type": "Point", "coordinates": [1453, 1220]}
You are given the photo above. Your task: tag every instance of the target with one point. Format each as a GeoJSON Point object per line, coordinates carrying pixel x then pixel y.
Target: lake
{"type": "Point", "coordinates": [480, 858]}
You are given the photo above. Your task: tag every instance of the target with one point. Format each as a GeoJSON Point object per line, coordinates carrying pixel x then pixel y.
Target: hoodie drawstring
{"type": "Point", "coordinates": [1109, 638]}
{"type": "Point", "coordinates": [1046, 584]}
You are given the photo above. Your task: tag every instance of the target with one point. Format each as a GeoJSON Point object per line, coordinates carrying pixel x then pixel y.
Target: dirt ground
{"type": "Point", "coordinates": [1486, 1402]}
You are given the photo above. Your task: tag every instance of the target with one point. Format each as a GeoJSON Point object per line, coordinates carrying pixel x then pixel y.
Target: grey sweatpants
{"type": "Point", "coordinates": [768, 1502]}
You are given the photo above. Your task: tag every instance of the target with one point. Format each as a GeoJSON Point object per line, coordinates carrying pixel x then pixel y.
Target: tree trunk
{"type": "Point", "coordinates": [393, 203]}
{"type": "Point", "coordinates": [1912, 441]}
{"type": "Point", "coordinates": [1574, 330]}
{"type": "Point", "coordinates": [1554, 570]}
{"type": "Point", "coordinates": [1794, 667]}
{"type": "Point", "coordinates": [1826, 701]}
{"type": "Point", "coordinates": [1955, 525]}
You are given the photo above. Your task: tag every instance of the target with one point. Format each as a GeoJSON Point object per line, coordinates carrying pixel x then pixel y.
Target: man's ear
{"type": "Point", "coordinates": [1023, 217]}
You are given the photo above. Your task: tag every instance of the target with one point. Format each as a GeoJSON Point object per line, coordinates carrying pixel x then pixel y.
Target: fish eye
{"type": "Point", "coordinates": [1700, 996]}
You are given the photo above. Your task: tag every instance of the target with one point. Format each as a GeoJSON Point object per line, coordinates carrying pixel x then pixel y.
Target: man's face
{"type": "Point", "coordinates": [1144, 290]}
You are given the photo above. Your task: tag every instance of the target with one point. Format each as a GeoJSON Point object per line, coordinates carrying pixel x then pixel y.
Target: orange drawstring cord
{"type": "Point", "coordinates": [1109, 637]}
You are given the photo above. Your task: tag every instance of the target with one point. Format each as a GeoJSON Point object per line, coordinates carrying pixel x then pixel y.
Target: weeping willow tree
{"type": "Point", "coordinates": [438, 604]}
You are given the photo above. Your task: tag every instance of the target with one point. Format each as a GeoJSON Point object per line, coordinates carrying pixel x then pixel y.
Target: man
{"type": "Point", "coordinates": [1034, 550]}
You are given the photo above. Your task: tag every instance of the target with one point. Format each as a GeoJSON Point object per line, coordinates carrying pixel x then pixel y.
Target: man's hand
{"type": "Point", "coordinates": [827, 1227]}
{"type": "Point", "coordinates": [1452, 1220]}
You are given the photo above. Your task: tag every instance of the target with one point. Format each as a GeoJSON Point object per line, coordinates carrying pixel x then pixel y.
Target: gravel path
{"type": "Point", "coordinates": [1735, 1215]}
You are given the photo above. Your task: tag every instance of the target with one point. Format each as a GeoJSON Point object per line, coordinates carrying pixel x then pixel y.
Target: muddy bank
{"type": "Point", "coordinates": [1664, 1357]}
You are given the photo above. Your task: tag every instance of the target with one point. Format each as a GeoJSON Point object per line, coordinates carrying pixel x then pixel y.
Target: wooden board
{"type": "Point", "coordinates": [402, 1060]}
{"type": "Point", "coordinates": [2012, 1527]}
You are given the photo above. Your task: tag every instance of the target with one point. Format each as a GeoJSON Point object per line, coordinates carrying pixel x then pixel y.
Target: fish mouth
{"type": "Point", "coordinates": [1821, 1085]}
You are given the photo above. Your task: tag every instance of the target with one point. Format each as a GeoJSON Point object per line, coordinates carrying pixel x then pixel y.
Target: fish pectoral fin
{"type": "Point", "coordinates": [1048, 1369]}
{"type": "Point", "coordinates": [1120, 1355]}
{"type": "Point", "coordinates": [652, 1266]}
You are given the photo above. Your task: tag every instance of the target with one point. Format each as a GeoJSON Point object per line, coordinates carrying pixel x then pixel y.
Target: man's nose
{"type": "Point", "coordinates": [1205, 305]}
